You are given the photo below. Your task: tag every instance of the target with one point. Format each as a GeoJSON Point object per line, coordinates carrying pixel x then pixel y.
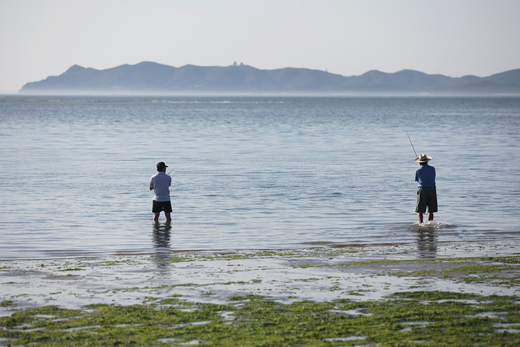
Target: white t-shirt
{"type": "Point", "coordinates": [160, 183]}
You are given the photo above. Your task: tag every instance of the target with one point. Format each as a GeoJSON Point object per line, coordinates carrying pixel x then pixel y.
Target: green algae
{"type": "Point", "coordinates": [411, 318]}
{"type": "Point", "coordinates": [245, 297]}
{"type": "Point", "coordinates": [6, 303]}
{"type": "Point", "coordinates": [404, 319]}
{"type": "Point", "coordinates": [259, 254]}
{"type": "Point", "coordinates": [506, 259]}
{"type": "Point", "coordinates": [435, 295]}
{"type": "Point", "coordinates": [62, 276]}
{"type": "Point", "coordinates": [499, 271]}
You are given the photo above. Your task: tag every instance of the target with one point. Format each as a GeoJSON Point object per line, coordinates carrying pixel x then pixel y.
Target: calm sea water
{"type": "Point", "coordinates": [251, 172]}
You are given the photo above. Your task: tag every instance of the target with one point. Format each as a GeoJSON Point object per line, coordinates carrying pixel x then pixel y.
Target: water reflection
{"type": "Point", "coordinates": [426, 241]}
{"type": "Point", "coordinates": [161, 243]}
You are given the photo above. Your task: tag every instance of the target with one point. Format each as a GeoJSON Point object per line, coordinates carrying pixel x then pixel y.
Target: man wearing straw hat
{"type": "Point", "coordinates": [427, 192]}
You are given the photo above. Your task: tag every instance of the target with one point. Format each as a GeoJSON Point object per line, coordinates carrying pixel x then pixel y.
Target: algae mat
{"type": "Point", "coordinates": [454, 294]}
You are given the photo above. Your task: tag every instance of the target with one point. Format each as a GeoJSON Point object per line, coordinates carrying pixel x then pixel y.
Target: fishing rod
{"type": "Point", "coordinates": [384, 94]}
{"type": "Point", "coordinates": [416, 156]}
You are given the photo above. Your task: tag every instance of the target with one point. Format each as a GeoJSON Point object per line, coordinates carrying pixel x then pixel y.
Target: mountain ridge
{"type": "Point", "coordinates": [154, 78]}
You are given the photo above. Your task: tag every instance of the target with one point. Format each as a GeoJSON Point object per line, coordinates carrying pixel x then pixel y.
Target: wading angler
{"type": "Point", "coordinates": [160, 184]}
{"type": "Point", "coordinates": [426, 192]}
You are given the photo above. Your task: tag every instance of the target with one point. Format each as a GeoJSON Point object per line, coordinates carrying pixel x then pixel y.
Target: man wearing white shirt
{"type": "Point", "coordinates": [160, 184]}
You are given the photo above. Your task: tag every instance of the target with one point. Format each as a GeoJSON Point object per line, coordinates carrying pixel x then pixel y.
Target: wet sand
{"type": "Point", "coordinates": [316, 274]}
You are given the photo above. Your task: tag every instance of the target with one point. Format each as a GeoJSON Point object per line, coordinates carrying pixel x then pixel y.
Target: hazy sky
{"type": "Point", "coordinates": [40, 38]}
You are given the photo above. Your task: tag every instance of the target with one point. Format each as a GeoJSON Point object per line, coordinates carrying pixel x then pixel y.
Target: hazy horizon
{"type": "Point", "coordinates": [153, 79]}
{"type": "Point", "coordinates": [349, 38]}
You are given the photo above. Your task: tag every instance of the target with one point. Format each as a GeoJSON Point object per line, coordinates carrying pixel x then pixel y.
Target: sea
{"type": "Point", "coordinates": [252, 172]}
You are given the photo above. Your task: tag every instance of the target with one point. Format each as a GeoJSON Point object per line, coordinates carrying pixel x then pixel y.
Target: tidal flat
{"type": "Point", "coordinates": [429, 294]}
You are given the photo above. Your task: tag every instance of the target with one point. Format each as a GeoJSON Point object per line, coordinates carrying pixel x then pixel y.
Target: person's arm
{"type": "Point", "coordinates": [151, 184]}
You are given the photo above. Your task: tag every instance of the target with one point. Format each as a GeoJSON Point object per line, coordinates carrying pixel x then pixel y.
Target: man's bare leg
{"type": "Point", "coordinates": [156, 217]}
{"type": "Point", "coordinates": [168, 217]}
{"type": "Point", "coordinates": [420, 216]}
{"type": "Point", "coordinates": [430, 216]}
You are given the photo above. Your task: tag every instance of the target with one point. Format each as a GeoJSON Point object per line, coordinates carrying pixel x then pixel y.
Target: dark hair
{"type": "Point", "coordinates": [425, 163]}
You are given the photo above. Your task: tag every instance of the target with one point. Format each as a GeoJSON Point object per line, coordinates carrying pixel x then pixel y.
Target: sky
{"type": "Point", "coordinates": [41, 38]}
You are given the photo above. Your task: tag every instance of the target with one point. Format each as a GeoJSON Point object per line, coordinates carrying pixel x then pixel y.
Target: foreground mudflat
{"type": "Point", "coordinates": [450, 294]}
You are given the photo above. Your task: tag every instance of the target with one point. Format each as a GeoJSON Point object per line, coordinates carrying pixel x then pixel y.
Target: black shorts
{"type": "Point", "coordinates": [426, 197]}
{"type": "Point", "coordinates": [159, 206]}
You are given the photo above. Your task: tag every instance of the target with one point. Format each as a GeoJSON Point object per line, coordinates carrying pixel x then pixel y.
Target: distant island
{"type": "Point", "coordinates": [154, 78]}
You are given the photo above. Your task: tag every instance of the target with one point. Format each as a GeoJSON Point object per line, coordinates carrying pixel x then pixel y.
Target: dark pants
{"type": "Point", "coordinates": [426, 197]}
{"type": "Point", "coordinates": [159, 206]}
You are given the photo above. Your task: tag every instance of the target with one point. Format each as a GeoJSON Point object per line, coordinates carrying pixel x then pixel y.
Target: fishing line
{"type": "Point", "coordinates": [384, 95]}
{"type": "Point", "coordinates": [171, 172]}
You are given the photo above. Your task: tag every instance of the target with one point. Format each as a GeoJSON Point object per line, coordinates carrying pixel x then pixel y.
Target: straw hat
{"type": "Point", "coordinates": [423, 158]}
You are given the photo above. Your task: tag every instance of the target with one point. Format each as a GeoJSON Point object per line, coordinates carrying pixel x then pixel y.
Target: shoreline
{"type": "Point", "coordinates": [52, 299]}
{"type": "Point", "coordinates": [38, 282]}
{"type": "Point", "coordinates": [426, 243]}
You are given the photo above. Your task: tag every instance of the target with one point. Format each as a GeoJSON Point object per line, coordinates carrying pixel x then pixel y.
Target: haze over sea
{"type": "Point", "coordinates": [251, 172]}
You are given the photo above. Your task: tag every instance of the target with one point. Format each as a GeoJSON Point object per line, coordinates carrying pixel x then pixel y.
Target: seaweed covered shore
{"type": "Point", "coordinates": [450, 294]}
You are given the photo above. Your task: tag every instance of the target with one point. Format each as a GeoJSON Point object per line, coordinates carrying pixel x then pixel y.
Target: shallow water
{"type": "Point", "coordinates": [251, 172]}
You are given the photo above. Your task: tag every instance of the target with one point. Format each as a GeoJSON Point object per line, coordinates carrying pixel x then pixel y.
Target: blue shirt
{"type": "Point", "coordinates": [160, 183]}
{"type": "Point", "coordinates": [425, 175]}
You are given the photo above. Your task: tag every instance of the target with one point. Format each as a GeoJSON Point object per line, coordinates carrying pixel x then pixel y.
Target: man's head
{"type": "Point", "coordinates": [423, 159]}
{"type": "Point", "coordinates": [161, 166]}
